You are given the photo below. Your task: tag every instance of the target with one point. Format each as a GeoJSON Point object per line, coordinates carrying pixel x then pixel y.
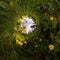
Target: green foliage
{"type": "Point", "coordinates": [47, 31]}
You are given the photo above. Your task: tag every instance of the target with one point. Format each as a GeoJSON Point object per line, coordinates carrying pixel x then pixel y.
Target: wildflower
{"type": "Point", "coordinates": [51, 47]}
{"type": "Point", "coordinates": [19, 42]}
{"type": "Point", "coordinates": [51, 18]}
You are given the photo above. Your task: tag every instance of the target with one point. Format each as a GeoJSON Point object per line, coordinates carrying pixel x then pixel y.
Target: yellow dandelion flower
{"type": "Point", "coordinates": [51, 47]}
{"type": "Point", "coordinates": [19, 42]}
{"type": "Point", "coordinates": [51, 18]}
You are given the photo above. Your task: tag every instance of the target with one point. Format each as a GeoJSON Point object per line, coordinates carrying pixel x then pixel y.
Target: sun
{"type": "Point", "coordinates": [27, 25]}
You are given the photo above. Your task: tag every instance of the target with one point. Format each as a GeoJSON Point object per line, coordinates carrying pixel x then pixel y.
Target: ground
{"type": "Point", "coordinates": [29, 30]}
